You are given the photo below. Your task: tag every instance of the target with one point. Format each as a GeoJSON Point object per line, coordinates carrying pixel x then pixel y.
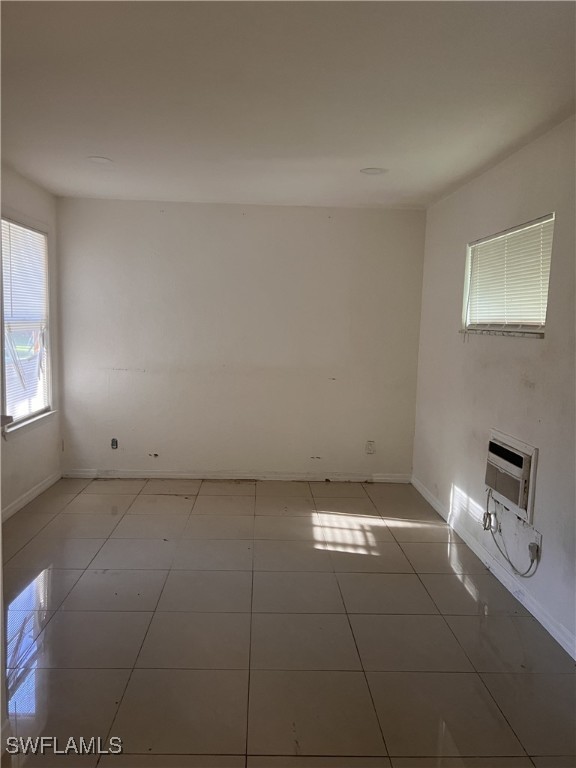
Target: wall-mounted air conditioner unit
{"type": "Point", "coordinates": [511, 473]}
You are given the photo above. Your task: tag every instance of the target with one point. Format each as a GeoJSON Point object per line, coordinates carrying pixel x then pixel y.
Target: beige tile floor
{"type": "Point", "coordinates": [272, 625]}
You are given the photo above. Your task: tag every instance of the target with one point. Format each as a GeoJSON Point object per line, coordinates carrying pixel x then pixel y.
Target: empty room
{"type": "Point", "coordinates": [288, 384]}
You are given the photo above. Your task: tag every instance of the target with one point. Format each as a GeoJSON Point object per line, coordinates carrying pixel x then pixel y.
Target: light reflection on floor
{"type": "Point", "coordinates": [316, 622]}
{"type": "Point", "coordinates": [462, 505]}
{"type": "Point", "coordinates": [24, 618]}
{"type": "Point", "coordinates": [340, 532]}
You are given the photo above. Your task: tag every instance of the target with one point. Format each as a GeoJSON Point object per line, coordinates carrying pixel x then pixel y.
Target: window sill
{"type": "Point", "coordinates": [11, 429]}
{"type": "Point", "coordinates": [523, 333]}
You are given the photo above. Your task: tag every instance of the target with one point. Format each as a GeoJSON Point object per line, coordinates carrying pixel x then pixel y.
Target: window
{"type": "Point", "coordinates": [507, 280]}
{"type": "Point", "coordinates": [26, 367]}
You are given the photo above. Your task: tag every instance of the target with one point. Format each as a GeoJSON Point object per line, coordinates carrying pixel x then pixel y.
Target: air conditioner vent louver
{"type": "Point", "coordinates": [510, 471]}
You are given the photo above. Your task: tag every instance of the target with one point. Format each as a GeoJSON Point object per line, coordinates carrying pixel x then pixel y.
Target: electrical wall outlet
{"type": "Point", "coordinates": [370, 446]}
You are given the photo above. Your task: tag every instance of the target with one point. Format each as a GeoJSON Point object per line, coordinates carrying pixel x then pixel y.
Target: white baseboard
{"type": "Point", "coordinates": [230, 475]}
{"type": "Point", "coordinates": [559, 632]}
{"type": "Point", "coordinates": [381, 478]}
{"type": "Point", "coordinates": [30, 495]}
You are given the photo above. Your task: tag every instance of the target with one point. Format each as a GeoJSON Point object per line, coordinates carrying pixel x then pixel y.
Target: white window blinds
{"type": "Point", "coordinates": [25, 320]}
{"type": "Point", "coordinates": [508, 279]}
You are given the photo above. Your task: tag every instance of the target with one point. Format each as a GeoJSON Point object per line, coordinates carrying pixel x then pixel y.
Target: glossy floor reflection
{"type": "Point", "coordinates": [271, 625]}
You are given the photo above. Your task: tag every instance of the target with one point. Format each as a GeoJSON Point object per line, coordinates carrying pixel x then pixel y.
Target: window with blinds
{"type": "Point", "coordinates": [26, 365]}
{"type": "Point", "coordinates": [507, 280]}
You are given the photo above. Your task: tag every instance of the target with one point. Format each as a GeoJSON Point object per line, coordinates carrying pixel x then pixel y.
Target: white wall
{"type": "Point", "coordinates": [31, 454]}
{"type": "Point", "coordinates": [523, 387]}
{"type": "Point", "coordinates": [238, 341]}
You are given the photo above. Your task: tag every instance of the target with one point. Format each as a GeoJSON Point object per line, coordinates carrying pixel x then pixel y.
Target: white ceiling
{"type": "Point", "coordinates": [278, 103]}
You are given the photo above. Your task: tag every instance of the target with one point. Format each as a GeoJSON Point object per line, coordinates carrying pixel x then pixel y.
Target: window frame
{"type": "Point", "coordinates": [49, 408]}
{"type": "Point", "coordinates": [502, 329]}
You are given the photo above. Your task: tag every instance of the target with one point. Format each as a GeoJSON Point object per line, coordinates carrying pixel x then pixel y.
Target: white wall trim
{"type": "Point", "coordinates": [36, 490]}
{"type": "Point", "coordinates": [229, 475]}
{"type": "Point", "coordinates": [383, 478]}
{"type": "Point", "coordinates": [559, 632]}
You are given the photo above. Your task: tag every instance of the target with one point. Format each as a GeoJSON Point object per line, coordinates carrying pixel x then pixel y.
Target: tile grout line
{"type": "Point", "coordinates": [168, 571]}
{"type": "Point", "coordinates": [250, 637]}
{"type": "Point", "coordinates": [478, 675]}
{"type": "Point", "coordinates": [363, 670]}
{"type": "Point", "coordinates": [85, 569]}
{"type": "Point", "coordinates": [147, 629]}
{"type": "Point", "coordinates": [153, 613]}
{"type": "Point", "coordinates": [107, 538]}
{"type": "Point", "coordinates": [61, 603]}
{"type": "Point", "coordinates": [476, 672]}
{"type": "Point", "coordinates": [392, 758]}
{"type": "Point", "coordinates": [60, 511]}
{"type": "Point", "coordinates": [83, 538]}
{"type": "Point", "coordinates": [276, 669]}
